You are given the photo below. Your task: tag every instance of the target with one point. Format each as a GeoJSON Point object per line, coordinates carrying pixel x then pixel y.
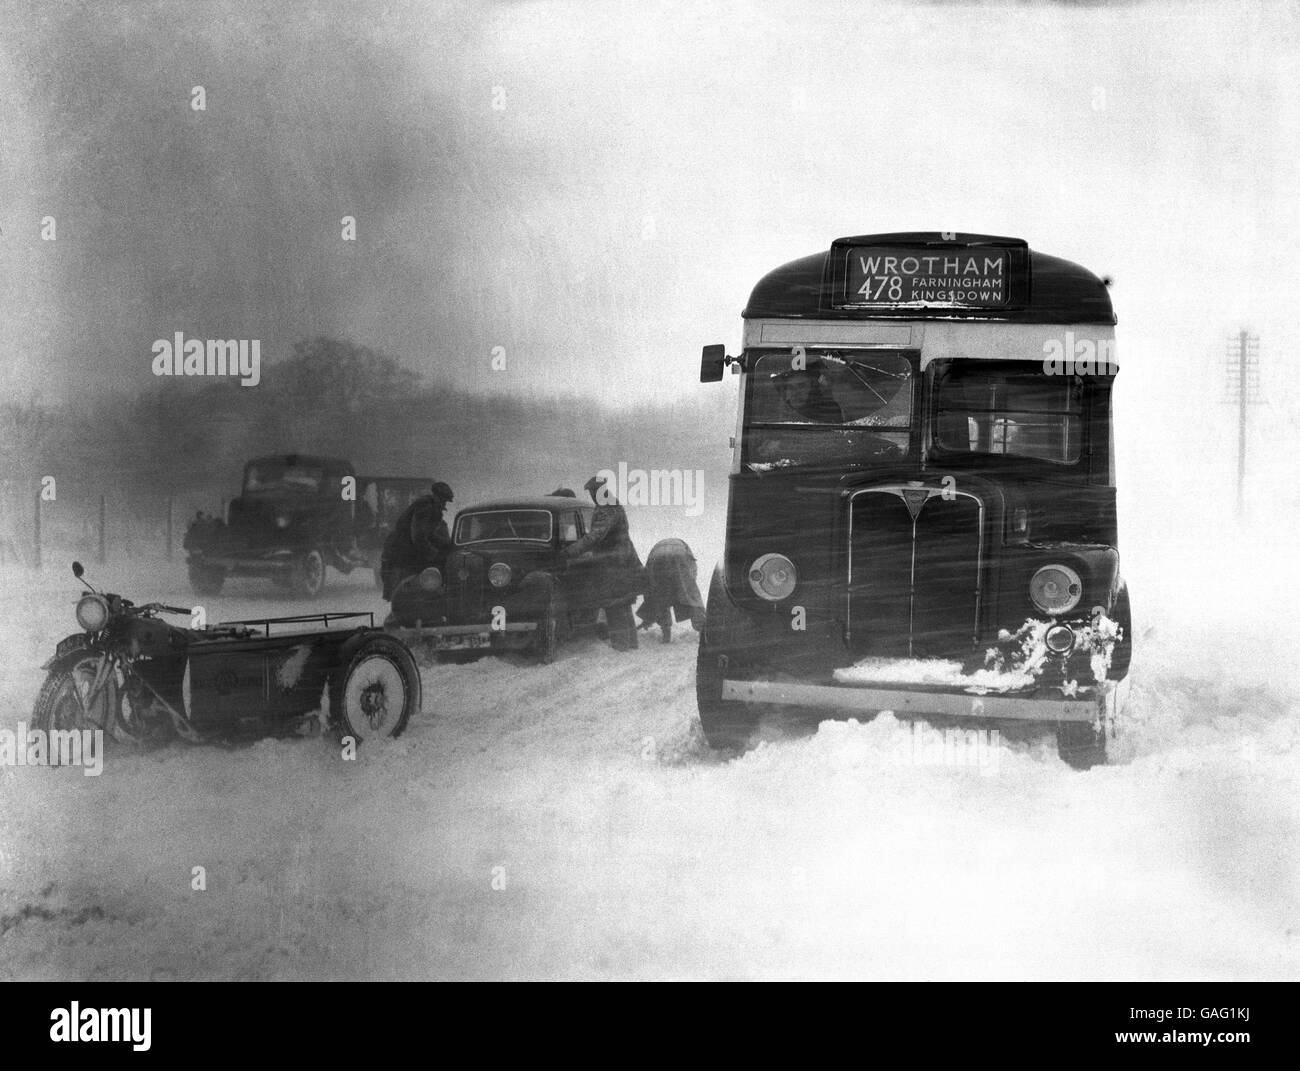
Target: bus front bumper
{"type": "Point", "coordinates": [1098, 703]}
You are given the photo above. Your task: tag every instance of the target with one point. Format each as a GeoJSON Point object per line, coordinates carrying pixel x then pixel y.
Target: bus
{"type": "Point", "coordinates": [921, 508]}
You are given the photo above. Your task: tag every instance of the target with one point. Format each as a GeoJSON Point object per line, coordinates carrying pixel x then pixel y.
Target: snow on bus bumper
{"type": "Point", "coordinates": [923, 700]}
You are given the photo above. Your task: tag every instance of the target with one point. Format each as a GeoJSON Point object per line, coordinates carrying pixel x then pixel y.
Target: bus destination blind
{"type": "Point", "coordinates": [926, 277]}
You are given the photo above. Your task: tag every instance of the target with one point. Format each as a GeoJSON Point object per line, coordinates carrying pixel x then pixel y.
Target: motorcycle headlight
{"type": "Point", "coordinates": [773, 577]}
{"type": "Point", "coordinates": [430, 579]}
{"type": "Point", "coordinates": [92, 612]}
{"type": "Point", "coordinates": [1056, 589]}
{"type": "Point", "coordinates": [499, 575]}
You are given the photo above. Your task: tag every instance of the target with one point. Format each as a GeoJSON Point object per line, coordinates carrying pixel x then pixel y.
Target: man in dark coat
{"type": "Point", "coordinates": [671, 589]}
{"type": "Point", "coordinates": [617, 572]}
{"type": "Point", "coordinates": [418, 540]}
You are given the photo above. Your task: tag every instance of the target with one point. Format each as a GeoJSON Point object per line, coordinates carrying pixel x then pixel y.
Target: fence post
{"type": "Point", "coordinates": [103, 513]}
{"type": "Point", "coordinates": [36, 532]}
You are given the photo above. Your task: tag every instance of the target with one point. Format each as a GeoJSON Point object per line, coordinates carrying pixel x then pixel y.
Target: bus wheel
{"type": "Point", "coordinates": [1123, 653]}
{"type": "Point", "coordinates": [727, 725]}
{"type": "Point", "coordinates": [1080, 745]}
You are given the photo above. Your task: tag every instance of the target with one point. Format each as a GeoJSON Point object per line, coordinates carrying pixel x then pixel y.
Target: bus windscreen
{"type": "Point", "coordinates": [832, 409]}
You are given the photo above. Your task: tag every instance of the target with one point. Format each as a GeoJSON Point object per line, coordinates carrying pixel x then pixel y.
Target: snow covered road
{"type": "Point", "coordinates": [567, 822]}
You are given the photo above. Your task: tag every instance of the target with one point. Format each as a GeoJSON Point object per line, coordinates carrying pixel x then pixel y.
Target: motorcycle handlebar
{"type": "Point", "coordinates": [158, 607]}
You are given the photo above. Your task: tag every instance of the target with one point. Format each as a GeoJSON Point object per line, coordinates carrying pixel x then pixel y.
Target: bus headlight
{"type": "Point", "coordinates": [499, 575]}
{"type": "Point", "coordinates": [1056, 589]}
{"type": "Point", "coordinates": [430, 579]}
{"type": "Point", "coordinates": [773, 577]}
{"type": "Point", "coordinates": [92, 612]}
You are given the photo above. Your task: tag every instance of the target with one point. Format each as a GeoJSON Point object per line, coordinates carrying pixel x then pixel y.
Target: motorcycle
{"type": "Point", "coordinates": [141, 679]}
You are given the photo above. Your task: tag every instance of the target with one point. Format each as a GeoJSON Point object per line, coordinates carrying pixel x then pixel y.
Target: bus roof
{"type": "Point", "coordinates": [1045, 289]}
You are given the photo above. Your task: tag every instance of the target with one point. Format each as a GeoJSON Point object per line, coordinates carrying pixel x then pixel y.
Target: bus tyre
{"type": "Point", "coordinates": [1080, 746]}
{"type": "Point", "coordinates": [727, 725]}
{"type": "Point", "coordinates": [1123, 653]}
{"type": "Point", "coordinates": [206, 579]}
{"type": "Point", "coordinates": [309, 574]}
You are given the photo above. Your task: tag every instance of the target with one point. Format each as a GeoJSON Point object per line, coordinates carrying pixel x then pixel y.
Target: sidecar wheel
{"type": "Point", "coordinates": [206, 579]}
{"type": "Point", "coordinates": [375, 695]}
{"type": "Point", "coordinates": [309, 574]}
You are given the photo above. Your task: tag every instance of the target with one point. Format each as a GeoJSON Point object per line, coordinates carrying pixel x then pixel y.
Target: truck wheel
{"type": "Point", "coordinates": [727, 725]}
{"type": "Point", "coordinates": [206, 579]}
{"type": "Point", "coordinates": [309, 574]}
{"type": "Point", "coordinates": [1080, 745]}
{"type": "Point", "coordinates": [375, 695]}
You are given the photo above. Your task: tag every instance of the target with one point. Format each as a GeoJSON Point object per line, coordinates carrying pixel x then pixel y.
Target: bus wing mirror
{"type": "Point", "coordinates": [712, 362]}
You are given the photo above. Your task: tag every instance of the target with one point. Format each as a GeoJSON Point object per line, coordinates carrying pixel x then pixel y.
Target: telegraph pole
{"type": "Point", "coordinates": [1243, 390]}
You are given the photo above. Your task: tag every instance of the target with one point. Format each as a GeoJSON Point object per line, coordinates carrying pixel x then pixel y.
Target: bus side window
{"type": "Point", "coordinates": [568, 528]}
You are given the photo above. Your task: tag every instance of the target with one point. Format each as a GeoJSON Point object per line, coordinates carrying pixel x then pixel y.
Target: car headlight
{"type": "Point", "coordinates": [92, 612]}
{"type": "Point", "coordinates": [430, 579]}
{"type": "Point", "coordinates": [1056, 589]}
{"type": "Point", "coordinates": [773, 577]}
{"type": "Point", "coordinates": [499, 575]}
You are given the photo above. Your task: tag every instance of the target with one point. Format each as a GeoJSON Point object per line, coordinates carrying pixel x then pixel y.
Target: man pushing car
{"type": "Point", "coordinates": [617, 566]}
{"type": "Point", "coordinates": [419, 539]}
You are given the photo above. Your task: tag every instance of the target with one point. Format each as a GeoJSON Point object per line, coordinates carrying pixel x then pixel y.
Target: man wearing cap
{"type": "Point", "coordinates": [617, 571]}
{"type": "Point", "coordinates": [418, 540]}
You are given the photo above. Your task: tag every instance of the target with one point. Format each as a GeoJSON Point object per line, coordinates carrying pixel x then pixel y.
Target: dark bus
{"type": "Point", "coordinates": [921, 516]}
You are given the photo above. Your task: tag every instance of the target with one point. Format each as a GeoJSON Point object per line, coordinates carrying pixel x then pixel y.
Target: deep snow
{"type": "Point", "coordinates": [627, 850]}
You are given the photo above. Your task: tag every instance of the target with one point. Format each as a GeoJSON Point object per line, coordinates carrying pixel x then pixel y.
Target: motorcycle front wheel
{"type": "Point", "coordinates": [65, 700]}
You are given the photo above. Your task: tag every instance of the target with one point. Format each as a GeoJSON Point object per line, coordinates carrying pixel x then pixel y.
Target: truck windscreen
{"type": "Point", "coordinates": [827, 409]}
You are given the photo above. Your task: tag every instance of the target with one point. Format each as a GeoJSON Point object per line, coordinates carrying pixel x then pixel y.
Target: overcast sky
{"type": "Point", "coordinates": [643, 166]}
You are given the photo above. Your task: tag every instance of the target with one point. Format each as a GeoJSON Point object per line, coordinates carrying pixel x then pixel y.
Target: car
{"type": "Point", "coordinates": [294, 516]}
{"type": "Point", "coordinates": [506, 585]}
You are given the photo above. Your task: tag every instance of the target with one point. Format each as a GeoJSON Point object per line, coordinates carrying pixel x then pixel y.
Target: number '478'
{"type": "Point", "coordinates": [894, 284]}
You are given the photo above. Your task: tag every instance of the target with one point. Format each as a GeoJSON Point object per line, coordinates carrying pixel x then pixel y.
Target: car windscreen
{"type": "Point", "coordinates": [533, 525]}
{"type": "Point", "coordinates": [1008, 409]}
{"type": "Point", "coordinates": [278, 476]}
{"type": "Point", "coordinates": [828, 409]}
